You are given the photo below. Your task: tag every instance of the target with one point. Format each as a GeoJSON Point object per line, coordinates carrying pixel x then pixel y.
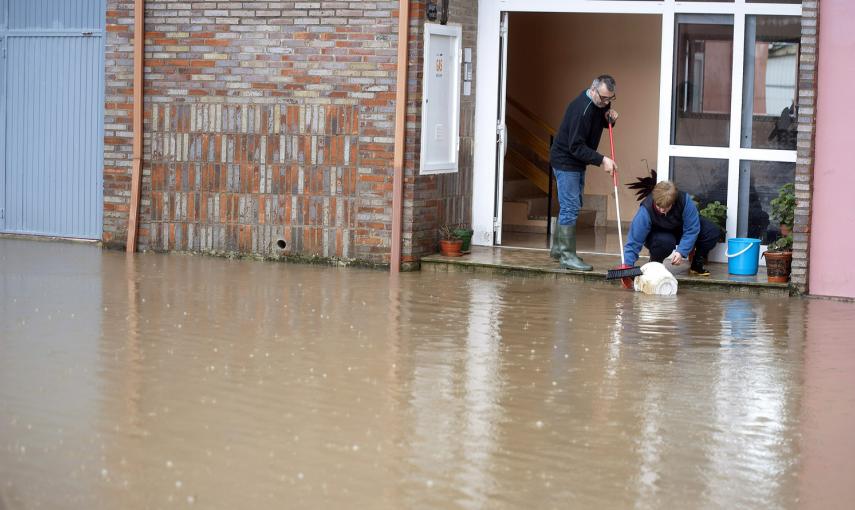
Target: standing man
{"type": "Point", "coordinates": [573, 149]}
{"type": "Point", "coordinates": [668, 223]}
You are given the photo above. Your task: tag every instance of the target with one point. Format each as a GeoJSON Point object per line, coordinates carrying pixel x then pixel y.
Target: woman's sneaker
{"type": "Point", "coordinates": [697, 268]}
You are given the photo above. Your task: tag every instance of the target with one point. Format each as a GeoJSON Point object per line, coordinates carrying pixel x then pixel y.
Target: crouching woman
{"type": "Point", "coordinates": [668, 224]}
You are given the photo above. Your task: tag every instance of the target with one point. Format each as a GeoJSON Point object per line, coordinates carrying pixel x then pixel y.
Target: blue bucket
{"type": "Point", "coordinates": [743, 255]}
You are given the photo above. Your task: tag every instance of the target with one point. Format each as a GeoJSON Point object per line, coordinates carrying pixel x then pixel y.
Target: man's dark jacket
{"type": "Point", "coordinates": [574, 146]}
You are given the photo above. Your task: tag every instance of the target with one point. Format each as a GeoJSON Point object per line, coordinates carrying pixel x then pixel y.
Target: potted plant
{"type": "Point", "coordinates": [716, 212]}
{"type": "Point", "coordinates": [779, 259]}
{"type": "Point", "coordinates": [449, 244]}
{"type": "Point", "coordinates": [784, 208]}
{"type": "Point", "coordinates": [464, 233]}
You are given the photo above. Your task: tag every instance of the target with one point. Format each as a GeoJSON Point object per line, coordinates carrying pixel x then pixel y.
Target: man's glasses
{"type": "Point", "coordinates": [606, 99]}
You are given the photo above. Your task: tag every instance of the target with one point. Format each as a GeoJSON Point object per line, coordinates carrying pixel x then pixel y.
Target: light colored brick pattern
{"type": "Point", "coordinates": [240, 178]}
{"type": "Point", "coordinates": [244, 143]}
{"type": "Point", "coordinates": [805, 145]}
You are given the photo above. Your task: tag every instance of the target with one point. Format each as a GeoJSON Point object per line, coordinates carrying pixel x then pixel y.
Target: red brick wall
{"type": "Point", "coordinates": [273, 121]}
{"type": "Point", "coordinates": [431, 201]}
{"type": "Point", "coordinates": [117, 120]}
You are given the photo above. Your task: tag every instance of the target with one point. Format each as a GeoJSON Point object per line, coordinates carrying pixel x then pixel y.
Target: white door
{"type": "Point", "coordinates": [501, 129]}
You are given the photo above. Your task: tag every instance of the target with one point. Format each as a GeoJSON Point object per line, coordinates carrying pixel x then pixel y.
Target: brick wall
{"type": "Point", "coordinates": [118, 108]}
{"type": "Point", "coordinates": [805, 145]}
{"type": "Point", "coordinates": [269, 121]}
{"type": "Point", "coordinates": [433, 200]}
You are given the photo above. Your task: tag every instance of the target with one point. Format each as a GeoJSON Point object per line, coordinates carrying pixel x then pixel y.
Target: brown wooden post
{"type": "Point", "coordinates": [136, 175]}
{"type": "Point", "coordinates": [400, 130]}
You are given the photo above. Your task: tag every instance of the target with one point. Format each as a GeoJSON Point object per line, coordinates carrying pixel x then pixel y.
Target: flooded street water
{"type": "Point", "coordinates": [173, 381]}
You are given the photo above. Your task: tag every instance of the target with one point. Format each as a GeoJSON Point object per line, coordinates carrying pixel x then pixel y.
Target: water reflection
{"type": "Point", "coordinates": [50, 390]}
{"type": "Point", "coordinates": [826, 417]}
{"type": "Point", "coordinates": [483, 388]}
{"type": "Point", "coordinates": [753, 401]}
{"type": "Point", "coordinates": [156, 380]}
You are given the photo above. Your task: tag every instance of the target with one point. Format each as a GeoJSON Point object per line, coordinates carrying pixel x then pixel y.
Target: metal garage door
{"type": "Point", "coordinates": [51, 117]}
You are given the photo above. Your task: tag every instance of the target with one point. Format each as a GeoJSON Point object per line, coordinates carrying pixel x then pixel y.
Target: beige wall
{"type": "Point", "coordinates": [552, 57]}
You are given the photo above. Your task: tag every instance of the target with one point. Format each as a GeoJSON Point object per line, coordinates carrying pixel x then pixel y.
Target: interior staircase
{"type": "Point", "coordinates": [526, 185]}
{"type": "Point", "coordinates": [526, 189]}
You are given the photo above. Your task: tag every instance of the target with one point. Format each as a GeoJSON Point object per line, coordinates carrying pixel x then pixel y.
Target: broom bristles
{"type": "Point", "coordinates": [631, 272]}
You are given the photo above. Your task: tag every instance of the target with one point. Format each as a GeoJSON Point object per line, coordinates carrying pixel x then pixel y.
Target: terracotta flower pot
{"type": "Point", "coordinates": [450, 247]}
{"type": "Point", "coordinates": [778, 265]}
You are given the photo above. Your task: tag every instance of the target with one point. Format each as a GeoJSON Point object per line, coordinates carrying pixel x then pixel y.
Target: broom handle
{"type": "Point", "coordinates": [617, 201]}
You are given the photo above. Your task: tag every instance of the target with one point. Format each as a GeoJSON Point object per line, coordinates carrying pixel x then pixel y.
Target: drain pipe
{"type": "Point", "coordinates": [136, 175]}
{"type": "Point", "coordinates": [400, 131]}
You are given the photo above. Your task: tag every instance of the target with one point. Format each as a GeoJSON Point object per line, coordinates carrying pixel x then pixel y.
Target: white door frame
{"type": "Point", "coordinates": [501, 128]}
{"type": "Point", "coordinates": [487, 94]}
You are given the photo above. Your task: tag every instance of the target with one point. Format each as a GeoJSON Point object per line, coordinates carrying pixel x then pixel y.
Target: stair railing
{"type": "Point", "coordinates": [535, 143]}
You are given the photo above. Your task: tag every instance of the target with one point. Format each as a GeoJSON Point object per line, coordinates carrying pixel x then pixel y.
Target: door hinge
{"type": "Point", "coordinates": [2, 214]}
{"type": "Point", "coordinates": [496, 224]}
{"type": "Point", "coordinates": [500, 131]}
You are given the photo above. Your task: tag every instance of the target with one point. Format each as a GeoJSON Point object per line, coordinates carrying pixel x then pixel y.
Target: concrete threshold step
{"type": "Point", "coordinates": [537, 264]}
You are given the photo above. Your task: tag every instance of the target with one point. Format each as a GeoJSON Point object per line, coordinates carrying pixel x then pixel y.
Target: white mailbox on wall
{"type": "Point", "coordinates": [441, 99]}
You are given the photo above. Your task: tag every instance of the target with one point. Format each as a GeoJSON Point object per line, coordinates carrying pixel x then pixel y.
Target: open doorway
{"type": "Point", "coordinates": [551, 58]}
{"type": "Point", "coordinates": [713, 114]}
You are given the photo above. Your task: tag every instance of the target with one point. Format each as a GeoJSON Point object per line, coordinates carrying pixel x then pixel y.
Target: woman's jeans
{"type": "Point", "coordinates": [571, 185]}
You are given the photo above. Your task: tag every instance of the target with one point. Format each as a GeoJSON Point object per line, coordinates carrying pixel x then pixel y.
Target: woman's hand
{"type": "Point", "coordinates": [676, 258]}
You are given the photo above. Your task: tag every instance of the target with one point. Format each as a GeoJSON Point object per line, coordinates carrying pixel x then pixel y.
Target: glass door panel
{"type": "Point", "coordinates": [703, 70]}
{"type": "Point", "coordinates": [759, 182]}
{"type": "Point", "coordinates": [770, 89]}
{"type": "Point", "coordinates": [705, 179]}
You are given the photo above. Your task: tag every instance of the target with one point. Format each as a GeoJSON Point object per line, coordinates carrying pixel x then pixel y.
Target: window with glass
{"type": "Point", "coordinates": [770, 89]}
{"type": "Point", "coordinates": [703, 73]}
{"type": "Point", "coordinates": [703, 178]}
{"type": "Point", "coordinates": [759, 183]}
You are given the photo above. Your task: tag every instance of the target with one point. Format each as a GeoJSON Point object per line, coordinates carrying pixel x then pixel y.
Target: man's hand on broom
{"type": "Point", "coordinates": [609, 165]}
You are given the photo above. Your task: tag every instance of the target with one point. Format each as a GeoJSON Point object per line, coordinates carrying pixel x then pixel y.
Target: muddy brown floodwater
{"type": "Point", "coordinates": [173, 381]}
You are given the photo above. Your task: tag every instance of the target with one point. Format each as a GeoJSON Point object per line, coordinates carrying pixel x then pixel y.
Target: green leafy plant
{"type": "Point", "coordinates": [781, 244]}
{"type": "Point", "coordinates": [464, 233]}
{"type": "Point", "coordinates": [716, 212]}
{"type": "Point", "coordinates": [461, 230]}
{"type": "Point", "coordinates": [784, 205]}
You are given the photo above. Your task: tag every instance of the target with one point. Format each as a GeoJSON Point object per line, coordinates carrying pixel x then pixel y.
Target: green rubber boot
{"type": "Point", "coordinates": [557, 244]}
{"type": "Point", "coordinates": [569, 259]}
